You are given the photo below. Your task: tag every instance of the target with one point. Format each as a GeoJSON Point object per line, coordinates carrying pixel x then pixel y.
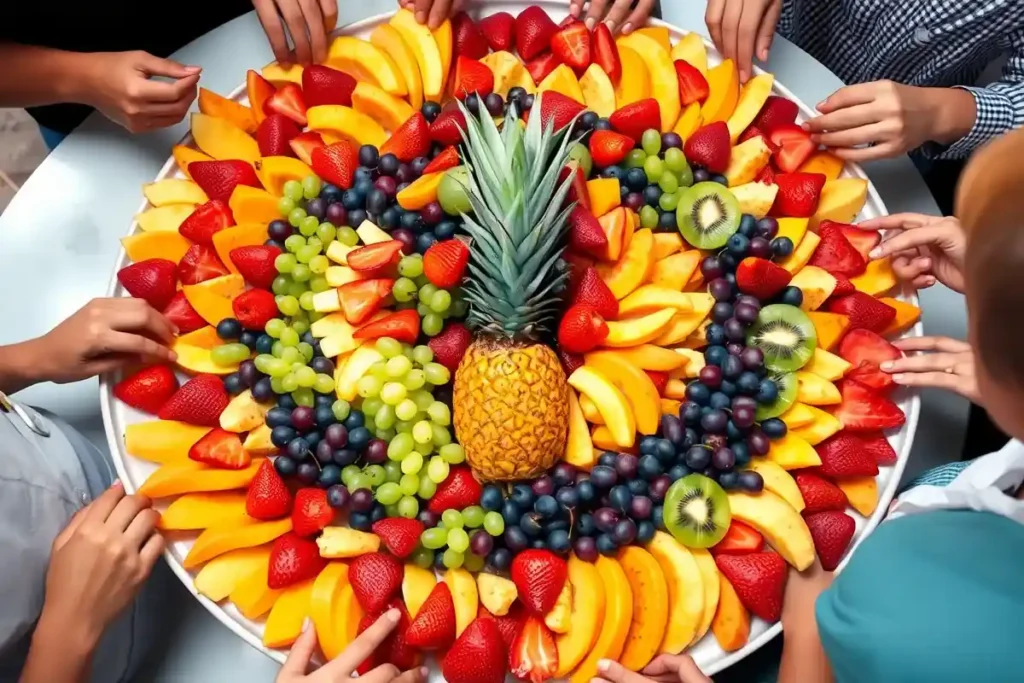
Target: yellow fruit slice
{"type": "Point", "coordinates": [587, 615]}
{"type": "Point", "coordinates": [464, 594]}
{"type": "Point", "coordinates": [579, 449]}
{"type": "Point", "coordinates": [222, 140]}
{"type": "Point", "coordinates": [386, 38]}
{"type": "Point", "coordinates": [162, 441]}
{"type": "Point", "coordinates": [284, 623]}
{"type": "Point", "coordinates": [166, 218]}
{"type": "Point", "coordinates": [618, 616]}
{"type": "Point", "coordinates": [635, 83]}
{"type": "Point", "coordinates": [203, 510]}
{"type": "Point", "coordinates": [610, 401]}
{"type": "Point", "coordinates": [221, 575]}
{"type": "Point", "coordinates": [416, 586]}
{"type": "Point", "coordinates": [220, 539]}
{"type": "Point", "coordinates": [173, 191]}
{"type": "Point", "coordinates": [275, 171]}
{"type": "Point", "coordinates": [650, 607]}
{"type": "Point", "coordinates": [323, 606]}
{"type": "Point", "coordinates": [685, 591]}
{"type": "Point", "coordinates": [778, 522]}
{"type": "Point", "coordinates": [709, 578]}
{"type": "Point", "coordinates": [634, 383]}
{"type": "Point", "coordinates": [366, 62]}
{"type": "Point", "coordinates": [640, 330]}
{"type": "Point", "coordinates": [424, 47]}
{"type": "Point", "coordinates": [691, 49]}
{"type": "Point", "coordinates": [664, 81]}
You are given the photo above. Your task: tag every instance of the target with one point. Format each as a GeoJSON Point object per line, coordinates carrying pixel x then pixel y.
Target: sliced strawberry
{"type": "Point", "coordinates": [399, 535]}
{"type": "Point", "coordinates": [254, 308]}
{"type": "Point", "coordinates": [819, 494]}
{"type": "Point", "coordinates": [710, 147]}
{"type": "Point", "coordinates": [336, 163]}
{"type": "Point", "coordinates": [739, 539]}
{"type": "Point", "coordinates": [199, 264]}
{"type": "Point", "coordinates": [293, 559]}
{"type": "Point", "coordinates": [585, 233]}
{"type": "Point", "coordinates": [633, 119]}
{"type": "Point", "coordinates": [311, 513]}
{"type": "Point", "coordinates": [581, 329]}
{"type": "Point", "coordinates": [411, 140]}
{"type": "Point", "coordinates": [766, 175]}
{"type": "Point", "coordinates": [447, 159]}
{"type": "Point", "coordinates": [578, 193]}
{"type": "Point", "coordinates": [775, 112]}
{"type": "Point", "coordinates": [222, 449]}
{"type": "Point", "coordinates": [761, 278]}
{"type": "Point", "coordinates": [259, 90]}
{"type": "Point", "coordinates": [207, 219]}
{"type": "Point", "coordinates": [401, 325]}
{"type": "Point", "coordinates": [459, 490]}
{"type": "Point", "coordinates": [865, 410]}
{"type": "Point", "coordinates": [256, 264]}
{"type": "Point", "coordinates": [148, 389]}
{"type": "Point", "coordinates": [448, 127]}
{"type": "Point", "coordinates": [539, 576]}
{"type": "Point", "coordinates": [865, 312]}
{"type": "Point", "coordinates": [541, 66]}
{"type": "Point", "coordinates": [434, 625]}
{"type": "Point", "coordinates": [534, 656]}
{"type": "Point", "coordinates": [472, 76]}
{"type": "Point", "coordinates": [866, 351]}
{"type": "Point", "coordinates": [832, 532]}
{"type": "Point", "coordinates": [798, 194]}
{"type": "Point", "coordinates": [843, 287]}
{"type": "Point", "coordinates": [755, 132]}
{"type": "Point", "coordinates": [606, 52]}
{"type": "Point", "coordinates": [556, 108]}
{"type": "Point", "coordinates": [220, 178]}
{"type": "Point", "coordinates": [288, 102]}
{"type": "Point", "coordinates": [466, 37]}
{"type": "Point", "coordinates": [268, 497]}
{"type": "Point", "coordinates": [275, 134]}
{"type": "Point", "coordinates": [534, 30]}
{"type": "Point", "coordinates": [879, 447]}
{"type": "Point", "coordinates": [862, 240]}
{"type": "Point", "coordinates": [304, 145]}
{"type": "Point", "coordinates": [795, 146]}
{"type": "Point", "coordinates": [323, 85]}
{"type": "Point", "coordinates": [499, 31]}
{"type": "Point", "coordinates": [608, 148]}
{"type": "Point", "coordinates": [363, 298]}
{"type": "Point", "coordinates": [180, 312]}
{"type": "Point", "coordinates": [835, 254]}
{"type": "Point", "coordinates": [199, 402]}
{"type": "Point", "coordinates": [445, 263]}
{"type": "Point", "coordinates": [376, 260]}
{"type": "Point", "coordinates": [572, 46]}
{"type": "Point", "coordinates": [693, 87]}
{"type": "Point", "coordinates": [152, 280]}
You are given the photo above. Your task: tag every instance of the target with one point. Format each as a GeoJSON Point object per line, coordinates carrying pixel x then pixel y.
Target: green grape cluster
{"type": "Point", "coordinates": [435, 305]}
{"type": "Point", "coordinates": [452, 533]}
{"type": "Point", "coordinates": [668, 168]}
{"type": "Point", "coordinates": [229, 354]}
{"type": "Point", "coordinates": [397, 491]}
{"type": "Point", "coordinates": [287, 365]}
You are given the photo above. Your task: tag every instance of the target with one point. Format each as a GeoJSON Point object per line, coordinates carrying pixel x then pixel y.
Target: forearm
{"type": "Point", "coordinates": [955, 114]}
{"type": "Point", "coordinates": [803, 657]}
{"type": "Point", "coordinates": [34, 76]}
{"type": "Point", "coordinates": [58, 653]}
{"type": "Point", "coordinates": [19, 367]}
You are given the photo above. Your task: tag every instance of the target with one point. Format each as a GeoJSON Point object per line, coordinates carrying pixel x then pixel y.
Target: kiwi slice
{"type": "Point", "coordinates": [707, 215]}
{"type": "Point", "coordinates": [787, 386]}
{"type": "Point", "coordinates": [697, 511]}
{"type": "Point", "coordinates": [785, 335]}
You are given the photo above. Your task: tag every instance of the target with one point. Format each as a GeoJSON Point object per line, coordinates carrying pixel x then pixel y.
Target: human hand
{"type": "Point", "coordinates": [743, 29]}
{"type": "Point", "coordinates": [98, 563]}
{"type": "Point", "coordinates": [943, 364]}
{"type": "Point", "coordinates": [121, 86]}
{"type": "Point", "coordinates": [432, 12]}
{"type": "Point", "coordinates": [341, 668]}
{"type": "Point", "coordinates": [664, 669]}
{"type": "Point", "coordinates": [308, 23]}
{"type": "Point", "coordinates": [923, 249]}
{"type": "Point", "coordinates": [617, 14]}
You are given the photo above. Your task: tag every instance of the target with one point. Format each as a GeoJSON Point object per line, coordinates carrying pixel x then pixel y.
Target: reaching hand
{"type": "Point", "coordinates": [432, 12]}
{"type": "Point", "coordinates": [743, 29]}
{"type": "Point", "coordinates": [923, 249]}
{"type": "Point", "coordinates": [308, 22]}
{"type": "Point", "coordinates": [123, 89]}
{"type": "Point", "coordinates": [943, 364]}
{"type": "Point", "coordinates": [664, 669]}
{"type": "Point", "coordinates": [618, 14]}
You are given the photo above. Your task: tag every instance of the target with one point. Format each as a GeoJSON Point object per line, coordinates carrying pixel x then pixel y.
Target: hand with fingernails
{"type": "Point", "coordinates": [942, 363]}
{"type": "Point", "coordinates": [619, 15]}
{"type": "Point", "coordinates": [924, 249]}
{"type": "Point", "coordinates": [742, 30]}
{"type": "Point", "coordinates": [341, 668]}
{"type": "Point", "coordinates": [432, 12]}
{"type": "Point", "coordinates": [663, 669]}
{"type": "Point", "coordinates": [309, 23]}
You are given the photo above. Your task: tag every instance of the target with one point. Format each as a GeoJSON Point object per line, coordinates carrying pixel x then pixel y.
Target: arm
{"type": "Point", "coordinates": [34, 76]}
{"type": "Point", "coordinates": [56, 654]}
{"type": "Point", "coordinates": [803, 657]}
{"type": "Point", "coordinates": [19, 367]}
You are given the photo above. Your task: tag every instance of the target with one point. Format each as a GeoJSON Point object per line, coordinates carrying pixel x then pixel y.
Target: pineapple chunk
{"type": "Point", "coordinates": [558, 619]}
{"type": "Point", "coordinates": [338, 542]}
{"type": "Point", "coordinates": [496, 593]}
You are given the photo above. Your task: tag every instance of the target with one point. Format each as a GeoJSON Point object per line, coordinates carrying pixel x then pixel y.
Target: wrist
{"type": "Point", "coordinates": [21, 366]}
{"type": "Point", "coordinates": [76, 77]}
{"type": "Point", "coordinates": [70, 635]}
{"type": "Point", "coordinates": [955, 113]}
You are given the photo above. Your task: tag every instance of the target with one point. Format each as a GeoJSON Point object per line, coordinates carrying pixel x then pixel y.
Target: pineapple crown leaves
{"type": "Point", "coordinates": [518, 224]}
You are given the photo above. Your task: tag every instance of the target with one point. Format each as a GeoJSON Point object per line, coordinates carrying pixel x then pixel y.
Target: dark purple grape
{"type": "Point", "coordinates": [659, 487]}
{"type": "Point", "coordinates": [248, 373]}
{"type": "Point", "coordinates": [723, 459]}
{"type": "Point", "coordinates": [543, 486]}
{"type": "Point", "coordinates": [428, 519]}
{"type": "Point", "coordinates": [641, 507]}
{"type": "Point", "coordinates": [721, 311]}
{"type": "Point", "coordinates": [767, 227]}
{"type": "Point", "coordinates": [376, 451]}
{"type": "Point", "coordinates": [782, 247]}
{"type": "Point", "coordinates": [745, 312]}
{"type": "Point", "coordinates": [605, 519]}
{"type": "Point", "coordinates": [336, 436]}
{"type": "Point", "coordinates": [626, 465]}
{"type": "Point", "coordinates": [720, 289]}
{"type": "Point", "coordinates": [671, 140]}
{"type": "Point", "coordinates": [336, 215]}
{"type": "Point", "coordinates": [404, 174]}
{"type": "Point", "coordinates": [362, 500]}
{"type": "Point", "coordinates": [734, 349]}
{"type": "Point", "coordinates": [698, 457]}
{"type": "Point", "coordinates": [303, 418]}
{"type": "Point", "coordinates": [387, 185]}
{"type": "Point", "coordinates": [744, 401]}
{"type": "Point", "coordinates": [732, 367]}
{"type": "Point", "coordinates": [376, 202]}
{"type": "Point", "coordinates": [407, 238]}
{"type": "Point", "coordinates": [700, 175]}
{"type": "Point", "coordinates": [710, 376]}
{"type": "Point", "coordinates": [752, 358]}
{"type": "Point", "coordinates": [324, 453]}
{"type": "Point", "coordinates": [710, 268]}
{"type": "Point", "coordinates": [748, 224]}
{"type": "Point", "coordinates": [494, 104]}
{"type": "Point", "coordinates": [316, 207]}
{"type": "Point", "coordinates": [564, 474]}
{"type": "Point", "coordinates": [307, 473]}
{"type": "Point", "coordinates": [285, 466]}
{"type": "Point", "coordinates": [729, 480]}
{"type": "Point", "coordinates": [758, 443]}
{"type": "Point", "coordinates": [714, 422]}
{"type": "Point", "coordinates": [735, 330]}
{"type": "Point", "coordinates": [689, 413]}
{"type": "Point", "coordinates": [625, 532]}
{"type": "Point", "coordinates": [418, 165]}
{"type": "Point", "coordinates": [634, 201]}
{"type": "Point", "coordinates": [388, 165]}
{"type": "Point", "coordinates": [516, 539]}
{"type": "Point", "coordinates": [761, 248]}
{"type": "Point", "coordinates": [603, 477]}
{"type": "Point", "coordinates": [586, 549]}
{"type": "Point", "coordinates": [743, 417]}
{"type": "Point", "coordinates": [432, 214]}
{"type": "Point", "coordinates": [279, 230]}
{"type": "Point", "coordinates": [751, 481]}
{"type": "Point", "coordinates": [672, 429]}
{"type": "Point", "coordinates": [337, 496]}
{"type": "Point", "coordinates": [481, 543]}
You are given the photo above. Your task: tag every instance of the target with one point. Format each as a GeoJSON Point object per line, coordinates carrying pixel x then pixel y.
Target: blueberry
{"type": "Point", "coordinates": [607, 459]}
{"type": "Point", "coordinates": [511, 512]}
{"type": "Point", "coordinates": [748, 225]}
{"type": "Point", "coordinates": [388, 165]}
{"type": "Point", "coordinates": [285, 466]}
{"type": "Point", "coordinates": [358, 438]}
{"type": "Point", "coordinates": [517, 93]}
{"type": "Point", "coordinates": [729, 262]}
{"type": "Point", "coordinates": [782, 247]}
{"type": "Point", "coordinates": [793, 296]}
{"type": "Point", "coordinates": [330, 476]}
{"type": "Point", "coordinates": [698, 457]}
{"type": "Point", "coordinates": [667, 221]}
{"type": "Point", "coordinates": [625, 532]}
{"type": "Point", "coordinates": [424, 241]}
{"type": "Point", "coordinates": [751, 481]}
{"type": "Point", "coordinates": [275, 244]}
{"type": "Point", "coordinates": [530, 523]}
{"type": "Point", "coordinates": [748, 383]}
{"type": "Point", "coordinates": [700, 175]}
{"type": "Point", "coordinates": [546, 507]}
{"type": "Point", "coordinates": [606, 545]}
{"type": "Point", "coordinates": [558, 542]}
{"type": "Point", "coordinates": [602, 124]}
{"type": "Point", "coordinates": [624, 191]}
{"type": "Point", "coordinates": [652, 193]}
{"type": "Point", "coordinates": [445, 230]}
{"type": "Point", "coordinates": [297, 448]}
{"type": "Point", "coordinates": [307, 473]}
{"type": "Point", "coordinates": [264, 343]}
{"type": "Point", "coordinates": [620, 498]}
{"type": "Point", "coordinates": [732, 367]}
{"type": "Point", "coordinates": [614, 171]}
{"type": "Point", "coordinates": [354, 420]}
{"type": "Point", "coordinates": [658, 517]}
{"type": "Point", "coordinates": [491, 498]}
{"type": "Point", "coordinates": [767, 391]}
{"type": "Point", "coordinates": [587, 118]}
{"type": "Point", "coordinates": [515, 539]}
{"type": "Point", "coordinates": [430, 110]}
{"type": "Point", "coordinates": [322, 365]}
{"type": "Point", "coordinates": [500, 559]}
{"type": "Point", "coordinates": [603, 477]}
{"type": "Point", "coordinates": [368, 156]}
{"type": "Point", "coordinates": [698, 393]}
{"type": "Point", "coordinates": [665, 451]}
{"type": "Point", "coordinates": [678, 472]}
{"type": "Point", "coordinates": [389, 218]}
{"type": "Point", "coordinates": [638, 487]}
{"type": "Point", "coordinates": [719, 401]}
{"type": "Point", "coordinates": [715, 334]}
{"type": "Point", "coordinates": [715, 355]}
{"type": "Point", "coordinates": [645, 531]}
{"type": "Point", "coordinates": [738, 245]}
{"type": "Point", "coordinates": [648, 445]}
{"type": "Point", "coordinates": [356, 218]}
{"type": "Point", "coordinates": [728, 388]}
{"type": "Point", "coordinates": [278, 417]}
{"type": "Point", "coordinates": [720, 179]}
{"type": "Point", "coordinates": [567, 497]}
{"type": "Point", "coordinates": [729, 480]}
{"type": "Point", "coordinates": [586, 491]}
{"type": "Point", "coordinates": [636, 179]}
{"type": "Point", "coordinates": [649, 466]}
{"type": "Point", "coordinates": [360, 521]}
{"type": "Point", "coordinates": [337, 496]}
{"type": "Point", "coordinates": [472, 103]}
{"type": "Point", "coordinates": [343, 457]}
{"type": "Point", "coordinates": [233, 384]}
{"type": "Point", "coordinates": [281, 436]}
{"type": "Point", "coordinates": [741, 453]}
{"type": "Point", "coordinates": [774, 428]}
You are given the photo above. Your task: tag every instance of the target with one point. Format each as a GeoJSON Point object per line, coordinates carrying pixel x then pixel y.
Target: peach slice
{"type": "Point", "coordinates": [689, 121]}
{"type": "Point", "coordinates": [347, 617]}
{"type": "Point", "coordinates": [579, 449]}
{"type": "Point", "coordinates": [841, 200]}
{"type": "Point", "coordinates": [685, 591]}
{"type": "Point", "coordinates": [244, 235]}
{"type": "Point", "coordinates": [603, 441]}
{"type": "Point", "coordinates": [635, 83]}
{"type": "Point", "coordinates": [747, 160]}
{"type": "Point", "coordinates": [650, 607]}
{"type": "Point", "coordinates": [666, 244]}
{"type": "Point", "coordinates": [604, 196]}
{"type": "Point", "coordinates": [324, 602]}
{"type": "Point", "coordinates": [731, 624]}
{"type": "Point", "coordinates": [798, 415]}
{"type": "Point", "coordinates": [253, 205]}
{"type": "Point", "coordinates": [509, 72]}
{"type": "Point", "coordinates": [146, 245]}
{"type": "Point", "coordinates": [203, 338]}
{"type": "Point", "coordinates": [243, 414]}
{"type": "Point", "coordinates": [563, 81]}
{"type": "Point", "coordinates": [387, 110]}
{"type": "Point", "coordinates": [183, 156]}
{"type": "Point", "coordinates": [465, 597]}
{"type": "Point", "coordinates": [212, 104]}
{"type": "Point", "coordinates": [167, 218]}
{"type": "Point", "coordinates": [598, 91]}
{"type": "Point", "coordinates": [877, 279]}
{"type": "Point", "coordinates": [175, 478]}
{"type": "Point", "coordinates": [222, 139]}
{"type": "Point", "coordinates": [793, 453]}
{"type": "Point", "coordinates": [417, 583]}
{"type": "Point", "coordinates": [907, 315]}
{"type": "Point", "coordinates": [346, 123]}
{"type": "Point", "coordinates": [203, 510]}
{"type": "Point", "coordinates": [586, 615]}
{"type": "Point", "coordinates": [388, 40]}
{"type": "Point", "coordinates": [779, 481]}
{"type": "Point", "coordinates": [253, 597]}
{"type": "Point", "coordinates": [275, 171]}
{"type": "Point", "coordinates": [821, 427]}
{"type": "Point", "coordinates": [634, 384]}
{"type": "Point", "coordinates": [862, 492]}
{"type": "Point", "coordinates": [664, 81]}
{"type": "Point", "coordinates": [830, 327]}
{"type": "Point", "coordinates": [366, 62]}
{"type": "Point", "coordinates": [682, 325]}
{"type": "Point", "coordinates": [162, 441]}
{"type": "Point", "coordinates": [212, 298]}
{"type": "Point", "coordinates": [428, 55]}
{"type": "Point", "coordinates": [618, 615]}
{"type": "Point", "coordinates": [827, 365]}
{"type": "Point", "coordinates": [802, 254]}
{"type": "Point", "coordinates": [815, 391]}
{"type": "Point", "coordinates": [640, 330]}
{"type": "Point", "coordinates": [724, 86]}
{"type": "Point", "coordinates": [673, 272]}
{"type": "Point", "coordinates": [755, 198]}
{"type": "Point", "coordinates": [590, 411]}
{"type": "Point", "coordinates": [675, 389]}
{"type": "Point", "coordinates": [631, 269]}
{"type": "Point", "coordinates": [217, 540]}
{"type": "Point", "coordinates": [709, 578]}
{"type": "Point", "coordinates": [224, 573]}
{"type": "Point", "coordinates": [780, 524]}
{"type": "Point", "coordinates": [173, 191]}
{"type": "Point", "coordinates": [816, 283]}
{"type": "Point", "coordinates": [670, 406]}
{"type": "Point", "coordinates": [421, 192]}
{"type": "Point", "coordinates": [279, 74]}
{"type": "Point", "coordinates": [289, 613]}
{"type": "Point", "coordinates": [610, 401]}
{"type": "Point", "coordinates": [650, 298]}
{"type": "Point", "coordinates": [650, 357]}
{"type": "Point", "coordinates": [752, 97]}
{"type": "Point", "coordinates": [443, 37]}
{"type": "Point", "coordinates": [793, 228]}
{"type": "Point", "coordinates": [691, 49]}
{"type": "Point", "coordinates": [825, 163]}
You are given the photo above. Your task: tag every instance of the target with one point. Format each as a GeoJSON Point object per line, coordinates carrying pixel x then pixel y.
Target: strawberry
{"type": "Point", "coordinates": [148, 389]}
{"type": "Point", "coordinates": [412, 139]}
{"type": "Point", "coordinates": [274, 135]}
{"type": "Point", "coordinates": [336, 163]}
{"type": "Point", "coordinates": [541, 66]}
{"type": "Point", "coordinates": [556, 108]}
{"type": "Point", "coordinates": [794, 146]}
{"type": "Point", "coordinates": [572, 46]}
{"type": "Point", "coordinates": [153, 280]}
{"type": "Point", "coordinates": [533, 656]}
{"type": "Point", "coordinates": [879, 447]}
{"type": "Point", "coordinates": [635, 118]}
{"type": "Point", "coordinates": [375, 578]}
{"type": "Point", "coordinates": [362, 298]}
{"type": "Point", "coordinates": [401, 325]}
{"type": "Point", "coordinates": [375, 260]}
{"type": "Point", "coordinates": [450, 346]}
{"type": "Point", "coordinates": [693, 87]}
{"type": "Point", "coordinates": [798, 194]}
{"type": "Point", "coordinates": [445, 263]}
{"type": "Point", "coordinates": [569, 21]}
{"type": "Point", "coordinates": [206, 220]}
{"type": "Point", "coordinates": [843, 286]}
{"type": "Point", "coordinates": [293, 559]}
{"type": "Point", "coordinates": [710, 147]}
{"type": "Point", "coordinates": [199, 401]}
{"type": "Point", "coordinates": [304, 144]}
{"type": "Point", "coordinates": [761, 278]}
{"type": "Point", "coordinates": [585, 233]}
{"type": "Point", "coordinates": [608, 148]}
{"type": "Point", "coordinates": [268, 497]}
{"type": "Point", "coordinates": [498, 31]}
{"type": "Point", "coordinates": [288, 102]}
{"type": "Point", "coordinates": [221, 449]}
{"type": "Point", "coordinates": [200, 263]}
{"type": "Point", "coordinates": [863, 410]}
{"type": "Point", "coordinates": [865, 312]}
{"type": "Point", "coordinates": [766, 175]}
{"type": "Point", "coordinates": [434, 625]}
{"type": "Point", "coordinates": [832, 532]}
{"type": "Point", "coordinates": [510, 623]}
{"type": "Point", "coordinates": [592, 291]}
{"type": "Point", "coordinates": [866, 351]}
{"type": "Point", "coordinates": [775, 112]}
{"type": "Point", "coordinates": [819, 494]}
{"type": "Point", "coordinates": [660, 380]}
{"type": "Point", "coordinates": [534, 31]}
{"type": "Point", "coordinates": [180, 312]}
{"type": "Point", "coordinates": [472, 76]}
{"type": "Point", "coordinates": [259, 90]}
{"type": "Point", "coordinates": [479, 655]}
{"type": "Point", "coordinates": [843, 455]}
{"type": "Point", "coordinates": [759, 580]}
{"type": "Point", "coordinates": [220, 178]}
{"type": "Point", "coordinates": [399, 535]}
{"type": "Point", "coordinates": [862, 240]}
{"type": "Point", "coordinates": [311, 513]}
{"type": "Point", "coordinates": [448, 127]}
{"type": "Point", "coordinates": [447, 159]}
{"type": "Point", "coordinates": [570, 361]}
{"type": "Point", "coordinates": [739, 539]}
{"type": "Point", "coordinates": [581, 329]}
{"type": "Point", "coordinates": [400, 652]}
{"type": "Point", "coordinates": [606, 52]}
{"type": "Point", "coordinates": [324, 85]}
{"type": "Point", "coordinates": [254, 308]}
{"type": "Point", "coordinates": [755, 132]}
{"type": "Point", "coordinates": [256, 264]}
{"type": "Point", "coordinates": [539, 576]}
{"type": "Point", "coordinates": [459, 490]}
{"type": "Point", "coordinates": [835, 254]}
{"type": "Point", "coordinates": [578, 193]}
{"type": "Point", "coordinates": [466, 37]}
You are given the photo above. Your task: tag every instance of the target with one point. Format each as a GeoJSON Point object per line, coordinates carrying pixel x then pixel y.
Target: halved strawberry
{"type": "Point", "coordinates": [556, 108]}
{"type": "Point", "coordinates": [472, 76]}
{"type": "Point", "coordinates": [755, 132]}
{"type": "Point", "coordinates": [304, 145]}
{"type": "Point", "coordinates": [534, 30]}
{"type": "Point", "coordinates": [288, 102]}
{"type": "Point", "coordinates": [798, 194]}
{"type": "Point", "coordinates": [180, 312]}
{"type": "Point", "coordinates": [274, 135]}
{"type": "Point", "coordinates": [739, 539]}
{"type": "Point", "coordinates": [608, 148]}
{"type": "Point", "coordinates": [148, 389]}
{"type": "Point", "coordinates": [222, 449]}
{"type": "Point", "coordinates": [375, 260]}
{"type": "Point", "coordinates": [534, 656]}
{"type": "Point", "coordinates": [818, 493]}
{"type": "Point", "coordinates": [311, 513]}
{"type": "Point", "coordinates": [467, 38]}
{"type": "Point", "coordinates": [862, 240]}
{"type": "Point", "coordinates": [256, 264]}
{"type": "Point", "coordinates": [879, 447]}
{"type": "Point", "coordinates": [776, 111]}
{"type": "Point", "coordinates": [445, 263]}
{"type": "Point", "coordinates": [693, 87]}
{"type": "Point", "coordinates": [259, 90]}
{"type": "Point", "coordinates": [835, 254]}
{"type": "Point", "coordinates": [862, 409]}
{"type": "Point", "coordinates": [843, 455]}
{"type": "Point", "coordinates": [199, 402]}
{"type": "Point", "coordinates": [220, 178]}
{"type": "Point", "coordinates": [795, 146]}
{"type": "Point", "coordinates": [411, 140]}
{"type": "Point", "coordinates": [447, 159]}
{"type": "Point", "coordinates": [540, 66]}
{"type": "Point", "coordinates": [362, 298]}
{"type": "Point", "coordinates": [448, 127]}
{"type": "Point", "coordinates": [866, 351]}
{"type": "Point", "coordinates": [594, 292]}
{"type": "Point", "coordinates": [498, 30]}
{"type": "Point", "coordinates": [843, 287]}
{"type": "Point", "coordinates": [585, 233]}
{"type": "Point", "coordinates": [865, 312]}
{"type": "Point", "coordinates": [633, 119]}
{"type": "Point", "coordinates": [336, 163]}
{"type": "Point", "coordinates": [766, 175]}
{"type": "Point", "coordinates": [152, 280]}
{"type": "Point", "coordinates": [710, 147]}
{"type": "Point", "coordinates": [200, 263]}
{"type": "Point", "coordinates": [761, 278]}
{"type": "Point", "coordinates": [401, 325]}
{"type": "Point", "coordinates": [254, 308]}
{"type": "Point", "coordinates": [832, 532]}
{"type": "Point", "coordinates": [324, 85]}
{"type": "Point", "coordinates": [606, 52]}
{"type": "Point", "coordinates": [581, 329]}
{"type": "Point", "coordinates": [572, 46]}
{"type": "Point", "coordinates": [578, 187]}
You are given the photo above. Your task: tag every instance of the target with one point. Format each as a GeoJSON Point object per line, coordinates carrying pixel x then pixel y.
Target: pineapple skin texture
{"type": "Point", "coordinates": [511, 409]}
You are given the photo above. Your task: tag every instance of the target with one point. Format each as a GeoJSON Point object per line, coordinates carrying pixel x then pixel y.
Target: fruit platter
{"type": "Point", "coordinates": [566, 345]}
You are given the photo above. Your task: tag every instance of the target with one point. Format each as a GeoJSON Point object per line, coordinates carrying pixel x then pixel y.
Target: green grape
{"type": "Point", "coordinates": [274, 327]}
{"type": "Point", "coordinates": [668, 182]}
{"type": "Point", "coordinates": [440, 436]}
{"type": "Point", "coordinates": [387, 493]}
{"type": "Point", "coordinates": [440, 301]}
{"type": "Point", "coordinates": [422, 433]}
{"type": "Point", "coordinates": [404, 427]}
{"type": "Point", "coordinates": [319, 264]}
{"type": "Point", "coordinates": [458, 540]}
{"type": "Point", "coordinates": [324, 384]}
{"type": "Point", "coordinates": [494, 523]}
{"type": "Point", "coordinates": [412, 463]}
{"type": "Point", "coordinates": [422, 558]}
{"type": "Point", "coordinates": [392, 471]}
{"type": "Point", "coordinates": [314, 241]}
{"type": "Point", "coordinates": [452, 559]}
{"type": "Point", "coordinates": [473, 516]}
{"type": "Point", "coordinates": [409, 484]}
{"type": "Point", "coordinates": [306, 377]}
{"type": "Point", "coordinates": [295, 216]}
{"type": "Point", "coordinates": [281, 284]}
{"type": "Point", "coordinates": [304, 397]}
{"type": "Point", "coordinates": [432, 324]}
{"type": "Point", "coordinates": [326, 232]}
{"type": "Point", "coordinates": [348, 472]}
{"type": "Point", "coordinates": [406, 410]}
{"type": "Point", "coordinates": [685, 176]}
{"type": "Point", "coordinates": [261, 362]}
{"type": "Point", "coordinates": [651, 142]}
{"type": "Point", "coordinates": [391, 511]}
{"type": "Point", "coordinates": [384, 418]}
{"type": "Point", "coordinates": [408, 507]}
{"type": "Point", "coordinates": [292, 189]}
{"type": "Point", "coordinates": [308, 226]}
{"type": "Point", "coordinates": [428, 488]}
{"type": "Point", "coordinates": [375, 473]}
{"type": "Point", "coordinates": [437, 469]}
{"type": "Point", "coordinates": [423, 309]}
{"type": "Point", "coordinates": [360, 481]}
{"type": "Point", "coordinates": [473, 563]}
{"type": "Point", "coordinates": [275, 384]}
{"type": "Point", "coordinates": [393, 393]}
{"type": "Point", "coordinates": [289, 383]}
{"type": "Point", "coordinates": [649, 217]}
{"type": "Point", "coordinates": [452, 519]}
{"type": "Point", "coordinates": [414, 379]}
{"type": "Point", "coordinates": [460, 308]}
{"type": "Point", "coordinates": [452, 453]}
{"type": "Point", "coordinates": [305, 349]}
{"type": "Point", "coordinates": [385, 435]}
{"type": "Point", "coordinates": [289, 354]}
{"type": "Point", "coordinates": [301, 327]}
{"type": "Point", "coordinates": [400, 446]}
{"type": "Point", "coordinates": [635, 158]}
{"type": "Point", "coordinates": [669, 201]}
{"type": "Point", "coordinates": [397, 366]}
{"type": "Point", "coordinates": [293, 243]}
{"type": "Point", "coordinates": [422, 354]}
{"type": "Point", "coordinates": [341, 409]}
{"type": "Point", "coordinates": [368, 386]}
{"type": "Point", "coordinates": [318, 283]}
{"type": "Point", "coordinates": [423, 399]}
{"type": "Point", "coordinates": [288, 305]}
{"type": "Point", "coordinates": [435, 538]}
{"type": "Point", "coordinates": [653, 167]}
{"type": "Point", "coordinates": [289, 337]}
{"type": "Point", "coordinates": [372, 405]}
{"type": "Point", "coordinates": [347, 236]}
{"type": "Point", "coordinates": [403, 289]}
{"type": "Point", "coordinates": [378, 370]}
{"type": "Point", "coordinates": [285, 205]}
{"type": "Point", "coordinates": [436, 373]}
{"type": "Point", "coordinates": [411, 266]}
{"type": "Point", "coordinates": [407, 350]}
{"type": "Point", "coordinates": [223, 355]}
{"type": "Point", "coordinates": [306, 254]}
{"type": "Point", "coordinates": [296, 288]}
{"type": "Point", "coordinates": [277, 348]}
{"type": "Point", "coordinates": [284, 263]}
{"type": "Point", "coordinates": [440, 413]}
{"type": "Point", "coordinates": [310, 186]}
{"type": "Point", "coordinates": [675, 160]}
{"type": "Point", "coordinates": [301, 273]}
{"type": "Point", "coordinates": [426, 291]}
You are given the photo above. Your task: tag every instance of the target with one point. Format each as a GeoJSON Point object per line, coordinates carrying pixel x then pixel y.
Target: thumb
{"type": "Point", "coordinates": [157, 66]}
{"type": "Point", "coordinates": [301, 652]}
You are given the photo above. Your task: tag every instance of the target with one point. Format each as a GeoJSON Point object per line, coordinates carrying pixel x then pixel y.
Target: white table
{"type": "Point", "coordinates": [59, 239]}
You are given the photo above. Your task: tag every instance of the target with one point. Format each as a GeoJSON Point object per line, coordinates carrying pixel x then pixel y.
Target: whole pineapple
{"type": "Point", "coordinates": [511, 398]}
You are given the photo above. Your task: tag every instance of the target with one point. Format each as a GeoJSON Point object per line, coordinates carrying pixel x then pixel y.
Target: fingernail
{"type": "Point", "coordinates": [626, 28]}
{"type": "Point", "coordinates": [820, 105]}
{"type": "Point", "coordinates": [604, 665]}
{"type": "Point", "coordinates": [887, 365]}
{"type": "Point", "coordinates": [744, 76]}
{"type": "Point", "coordinates": [393, 615]}
{"type": "Point", "coordinates": [929, 281]}
{"type": "Point", "coordinates": [306, 623]}
{"type": "Point", "coordinates": [424, 671]}
{"type": "Point", "coordinates": [805, 125]}
{"type": "Point", "coordinates": [591, 23]}
{"type": "Point", "coordinates": [118, 484]}
{"type": "Point", "coordinates": [173, 356]}
{"type": "Point", "coordinates": [193, 69]}
{"type": "Point", "coordinates": [898, 379]}
{"type": "Point", "coordinates": [875, 253]}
